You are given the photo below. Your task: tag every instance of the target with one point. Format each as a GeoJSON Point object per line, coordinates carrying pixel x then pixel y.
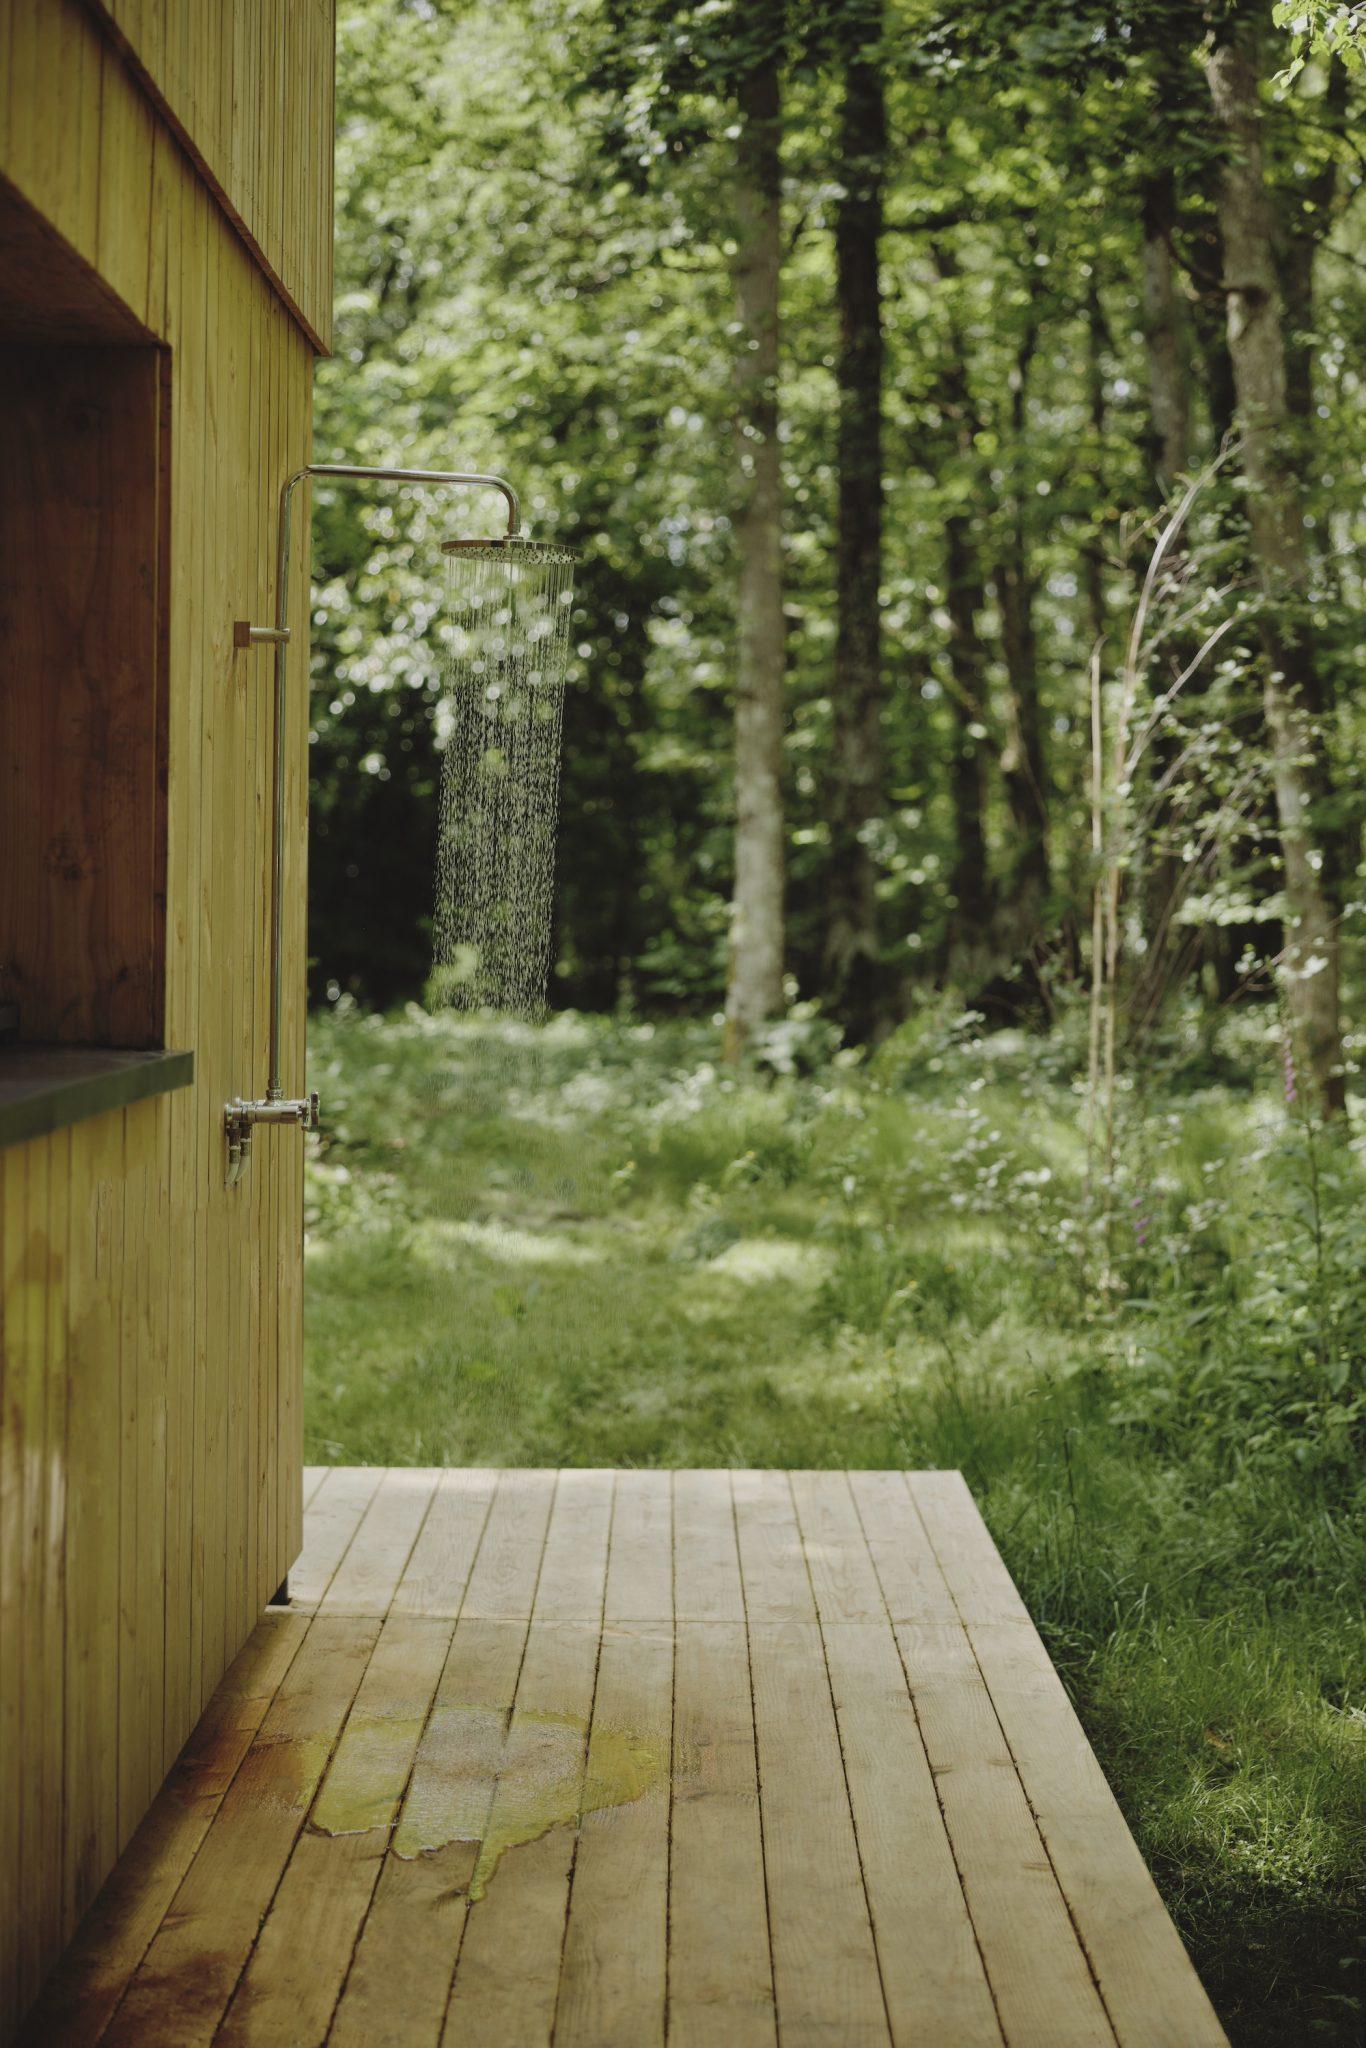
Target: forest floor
{"type": "Point", "coordinates": [588, 1244]}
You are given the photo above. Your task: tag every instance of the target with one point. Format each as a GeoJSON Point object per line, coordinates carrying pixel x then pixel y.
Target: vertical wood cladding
{"type": "Point", "coordinates": [177, 158]}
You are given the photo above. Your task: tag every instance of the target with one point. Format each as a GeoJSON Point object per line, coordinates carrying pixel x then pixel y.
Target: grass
{"type": "Point", "coordinates": [588, 1245]}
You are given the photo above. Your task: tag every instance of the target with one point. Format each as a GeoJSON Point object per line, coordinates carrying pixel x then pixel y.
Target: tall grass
{"type": "Point", "coordinates": [591, 1244]}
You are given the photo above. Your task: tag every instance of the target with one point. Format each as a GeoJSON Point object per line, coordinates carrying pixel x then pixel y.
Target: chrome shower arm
{"type": "Point", "coordinates": [239, 1115]}
{"type": "Point", "coordinates": [348, 472]}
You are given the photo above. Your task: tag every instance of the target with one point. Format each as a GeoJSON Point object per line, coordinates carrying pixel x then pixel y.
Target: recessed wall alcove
{"type": "Point", "coordinates": [83, 523]}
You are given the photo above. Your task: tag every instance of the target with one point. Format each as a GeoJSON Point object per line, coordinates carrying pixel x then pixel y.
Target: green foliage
{"type": "Point", "coordinates": [533, 276]}
{"type": "Point", "coordinates": [1321, 28]}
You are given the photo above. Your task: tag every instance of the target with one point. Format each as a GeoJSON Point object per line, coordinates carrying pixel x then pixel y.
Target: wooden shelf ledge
{"type": "Point", "coordinates": [43, 1088]}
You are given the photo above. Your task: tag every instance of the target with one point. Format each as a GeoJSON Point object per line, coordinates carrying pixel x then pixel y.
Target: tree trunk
{"type": "Point", "coordinates": [852, 950]}
{"type": "Point", "coordinates": [1023, 767]}
{"type": "Point", "coordinates": [1093, 553]}
{"type": "Point", "coordinates": [1168, 399]}
{"type": "Point", "coordinates": [1289, 687]}
{"type": "Point", "coordinates": [754, 990]}
{"type": "Point", "coordinates": [1306, 220]}
{"type": "Point", "coordinates": [972, 935]}
{"type": "Point", "coordinates": [1169, 453]}
{"type": "Point", "coordinates": [1022, 764]}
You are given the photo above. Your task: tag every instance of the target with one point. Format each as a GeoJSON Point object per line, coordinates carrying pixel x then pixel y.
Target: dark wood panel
{"type": "Point", "coordinates": [83, 504]}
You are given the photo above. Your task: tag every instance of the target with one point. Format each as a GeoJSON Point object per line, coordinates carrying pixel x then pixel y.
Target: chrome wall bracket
{"type": "Point", "coordinates": [244, 634]}
{"type": "Point", "coordinates": [240, 1119]}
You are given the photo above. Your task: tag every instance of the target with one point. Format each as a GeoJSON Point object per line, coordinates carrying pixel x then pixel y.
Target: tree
{"type": "Point", "coordinates": [1163, 329]}
{"type": "Point", "coordinates": [853, 954]}
{"type": "Point", "coordinates": [754, 987]}
{"type": "Point", "coordinates": [1015, 581]}
{"type": "Point", "coordinates": [973, 939]}
{"type": "Point", "coordinates": [1290, 684]}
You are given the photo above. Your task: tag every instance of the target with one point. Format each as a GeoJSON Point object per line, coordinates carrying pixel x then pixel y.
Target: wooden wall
{"type": "Point", "coordinates": [245, 83]}
{"type": "Point", "coordinates": [150, 1429]}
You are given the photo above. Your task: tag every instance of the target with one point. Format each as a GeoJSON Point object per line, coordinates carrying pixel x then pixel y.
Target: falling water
{"type": "Point", "coordinates": [508, 610]}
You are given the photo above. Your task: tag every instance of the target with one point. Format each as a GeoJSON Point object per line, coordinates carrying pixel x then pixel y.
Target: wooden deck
{"type": "Point", "coordinates": [716, 1758]}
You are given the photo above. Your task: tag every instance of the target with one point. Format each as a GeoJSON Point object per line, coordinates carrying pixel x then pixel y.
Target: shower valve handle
{"type": "Point", "coordinates": [240, 1118]}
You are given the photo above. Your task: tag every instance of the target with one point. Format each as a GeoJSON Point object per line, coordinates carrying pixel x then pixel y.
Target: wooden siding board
{"type": "Point", "coordinates": [90, 1749]}
{"type": "Point", "coordinates": [165, 307]}
{"type": "Point", "coordinates": [296, 370]}
{"type": "Point", "coordinates": [13, 1221]}
{"type": "Point", "coordinates": [240, 451]}
{"type": "Point", "coordinates": [45, 1864]}
{"type": "Point", "coordinates": [151, 1482]}
{"type": "Point", "coordinates": [276, 1478]}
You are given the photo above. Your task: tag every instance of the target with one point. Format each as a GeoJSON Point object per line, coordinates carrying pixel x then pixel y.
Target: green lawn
{"type": "Point", "coordinates": [588, 1244]}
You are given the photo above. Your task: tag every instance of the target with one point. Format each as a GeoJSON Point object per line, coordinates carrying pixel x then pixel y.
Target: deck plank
{"type": "Point", "coordinates": [843, 1580]}
{"type": "Point", "coordinates": [438, 1570]}
{"type": "Point", "coordinates": [334, 1515]}
{"type": "Point", "coordinates": [773, 1567]}
{"type": "Point", "coordinates": [709, 1587]}
{"type": "Point", "coordinates": [188, 1974]}
{"type": "Point", "coordinates": [416, 1920]}
{"type": "Point", "coordinates": [1040, 1979]}
{"type": "Point", "coordinates": [519, 1890]}
{"type": "Point", "coordinates": [368, 1575]}
{"type": "Point", "coordinates": [1150, 1990]}
{"type": "Point", "coordinates": [528, 1850]}
{"type": "Point", "coordinates": [286, 1995]}
{"type": "Point", "coordinates": [752, 1758]}
{"type": "Point", "coordinates": [502, 1583]}
{"type": "Point", "coordinates": [574, 1566]}
{"type": "Point", "coordinates": [913, 1585]}
{"type": "Point", "coordinates": [612, 1992]}
{"type": "Point", "coordinates": [825, 1969]}
{"type": "Point", "coordinates": [982, 1588]}
{"type": "Point", "coordinates": [932, 1970]}
{"type": "Point", "coordinates": [640, 1565]}
{"type": "Point", "coordinates": [721, 1973]}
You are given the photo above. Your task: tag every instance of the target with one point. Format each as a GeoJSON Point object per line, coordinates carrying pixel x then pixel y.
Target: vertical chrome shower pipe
{"type": "Point", "coordinates": [240, 1116]}
{"type": "Point", "coordinates": [274, 1091]}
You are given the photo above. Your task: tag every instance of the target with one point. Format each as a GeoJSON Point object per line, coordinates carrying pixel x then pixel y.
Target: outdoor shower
{"type": "Point", "coordinates": [509, 602]}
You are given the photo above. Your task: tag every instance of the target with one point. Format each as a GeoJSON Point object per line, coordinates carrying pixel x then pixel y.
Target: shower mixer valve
{"type": "Point", "coordinates": [240, 1117]}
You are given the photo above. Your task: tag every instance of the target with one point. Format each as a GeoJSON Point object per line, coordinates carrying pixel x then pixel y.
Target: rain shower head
{"type": "Point", "coordinates": [513, 547]}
